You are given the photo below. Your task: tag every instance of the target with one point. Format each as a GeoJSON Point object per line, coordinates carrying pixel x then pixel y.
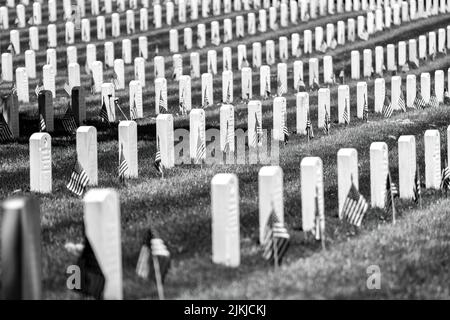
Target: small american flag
{"type": "Point", "coordinates": [267, 89]}
{"type": "Point", "coordinates": [103, 112]}
{"type": "Point", "coordinates": [115, 79]}
{"type": "Point", "coordinates": [133, 109]}
{"type": "Point", "coordinates": [327, 122]}
{"type": "Point", "coordinates": [42, 125]}
{"type": "Point", "coordinates": [281, 87]}
{"type": "Point", "coordinates": [285, 128]}
{"type": "Point", "coordinates": [401, 102]}
{"type": "Point", "coordinates": [355, 206]}
{"type": "Point", "coordinates": [228, 95]}
{"type": "Point", "coordinates": [387, 108]}
{"type": "Point", "coordinates": [365, 110]}
{"type": "Point", "coordinates": [257, 135]}
{"type": "Point", "coordinates": [78, 180]}
{"type": "Point", "coordinates": [276, 239]}
{"type": "Point", "coordinates": [67, 89]}
{"type": "Point", "coordinates": [162, 102]}
{"type": "Point", "coordinates": [364, 35]}
{"type": "Point", "coordinates": [123, 165]}
{"type": "Point", "coordinates": [68, 121]}
{"type": "Point", "coordinates": [391, 193]}
{"type": "Point", "coordinates": [445, 179]}
{"type": "Point", "coordinates": [323, 47]}
{"type": "Point", "coordinates": [157, 163]}
{"type": "Point", "coordinates": [11, 49]}
{"type": "Point", "coordinates": [319, 219]}
{"type": "Point", "coordinates": [229, 139]}
{"type": "Point", "coordinates": [182, 104]}
{"type": "Point", "coordinates": [342, 76]}
{"type": "Point", "coordinates": [345, 115]}
{"type": "Point", "coordinates": [417, 187]}
{"type": "Point", "coordinates": [201, 151]}
{"type": "Point", "coordinates": [419, 102]}
{"type": "Point", "coordinates": [309, 128]}
{"type": "Point", "coordinates": [205, 98]}
{"type": "Point", "coordinates": [153, 254]}
{"type": "Point", "coordinates": [39, 89]}
{"type": "Point", "coordinates": [301, 85]}
{"type": "Point", "coordinates": [433, 102]}
{"type": "Point", "coordinates": [5, 131]}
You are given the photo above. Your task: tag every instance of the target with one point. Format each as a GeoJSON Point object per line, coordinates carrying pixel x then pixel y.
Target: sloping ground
{"type": "Point", "coordinates": [413, 256]}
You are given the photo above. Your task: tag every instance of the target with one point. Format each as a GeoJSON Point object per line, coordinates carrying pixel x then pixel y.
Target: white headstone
{"type": "Point", "coordinates": [101, 28]}
{"type": "Point", "coordinates": [379, 94]}
{"type": "Point", "coordinates": [108, 96]}
{"type": "Point", "coordinates": [128, 145]}
{"type": "Point", "coordinates": [30, 64]}
{"type": "Point", "coordinates": [22, 85]}
{"type": "Point", "coordinates": [227, 87]}
{"type": "Point", "coordinates": [41, 162]}
{"type": "Point", "coordinates": [102, 229]}
{"type": "Point", "coordinates": [270, 191]}
{"type": "Point", "coordinates": [136, 107]}
{"type": "Point", "coordinates": [73, 71]}
{"type": "Point", "coordinates": [86, 146]}
{"type": "Point", "coordinates": [347, 168]}
{"type": "Point", "coordinates": [379, 166]}
{"type": "Point", "coordinates": [165, 135]}
{"type": "Point", "coordinates": [396, 91]}
{"type": "Point", "coordinates": [355, 66]}
{"type": "Point", "coordinates": [225, 220]}
{"type": "Point", "coordinates": [302, 101]}
{"type": "Point", "coordinates": [406, 166]}
{"type": "Point", "coordinates": [139, 70]}
{"type": "Point", "coordinates": [48, 78]}
{"type": "Point", "coordinates": [425, 86]}
{"type": "Point", "coordinates": [432, 145]}
{"type": "Point", "coordinates": [7, 67]}
{"type": "Point", "coordinates": [323, 104]}
{"type": "Point", "coordinates": [207, 90]}
{"type": "Point", "coordinates": [109, 54]}
{"type": "Point", "coordinates": [361, 98]}
{"type": "Point", "coordinates": [197, 135]}
{"type": "Point", "coordinates": [311, 170]}
{"type": "Point", "coordinates": [343, 103]}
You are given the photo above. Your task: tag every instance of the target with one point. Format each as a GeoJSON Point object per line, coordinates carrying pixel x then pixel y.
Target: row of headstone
{"type": "Point", "coordinates": [270, 49]}
{"type": "Point", "coordinates": [86, 154]}
{"type": "Point", "coordinates": [76, 14]}
{"type": "Point", "coordinates": [225, 190]}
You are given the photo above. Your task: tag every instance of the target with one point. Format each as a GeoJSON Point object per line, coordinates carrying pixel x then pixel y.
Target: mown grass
{"type": "Point", "coordinates": [179, 207]}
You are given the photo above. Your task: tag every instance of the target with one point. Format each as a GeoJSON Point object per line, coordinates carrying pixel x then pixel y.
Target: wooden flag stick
{"type": "Point", "coordinates": [115, 102]}
{"type": "Point", "coordinates": [392, 199]}
{"type": "Point", "coordinates": [275, 252]}
{"type": "Point", "coordinates": [158, 277]}
{"type": "Point", "coordinates": [419, 187]}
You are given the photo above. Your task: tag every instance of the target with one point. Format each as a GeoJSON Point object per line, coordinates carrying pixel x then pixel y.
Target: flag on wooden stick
{"type": "Point", "coordinates": [78, 180]}
{"type": "Point", "coordinates": [5, 131]}
{"type": "Point", "coordinates": [154, 260]}
{"type": "Point", "coordinates": [355, 206]}
{"type": "Point", "coordinates": [201, 151]}
{"type": "Point", "coordinates": [157, 163]}
{"type": "Point", "coordinates": [417, 187]}
{"type": "Point", "coordinates": [68, 121]}
{"type": "Point", "coordinates": [276, 239]}
{"type": "Point", "coordinates": [123, 165]}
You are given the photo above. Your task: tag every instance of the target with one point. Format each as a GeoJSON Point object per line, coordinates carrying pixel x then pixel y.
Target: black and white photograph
{"type": "Point", "coordinates": [224, 150]}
